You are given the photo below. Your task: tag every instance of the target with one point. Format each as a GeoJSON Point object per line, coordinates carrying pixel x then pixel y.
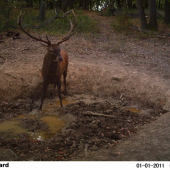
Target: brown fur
{"type": "Point", "coordinates": [52, 70]}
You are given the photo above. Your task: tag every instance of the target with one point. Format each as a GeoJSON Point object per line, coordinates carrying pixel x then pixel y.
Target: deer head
{"type": "Point", "coordinates": [52, 49]}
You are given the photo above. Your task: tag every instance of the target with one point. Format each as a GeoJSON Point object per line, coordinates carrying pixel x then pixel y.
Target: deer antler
{"type": "Point", "coordinates": [72, 28]}
{"type": "Point", "coordinates": [20, 19]}
{"type": "Point", "coordinates": [56, 16]}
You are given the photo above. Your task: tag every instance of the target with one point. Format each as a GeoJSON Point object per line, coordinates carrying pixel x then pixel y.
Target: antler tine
{"type": "Point", "coordinates": [48, 40]}
{"type": "Point", "coordinates": [20, 19]}
{"type": "Point", "coordinates": [67, 13]}
{"type": "Point", "coordinates": [73, 26]}
{"type": "Point", "coordinates": [55, 17]}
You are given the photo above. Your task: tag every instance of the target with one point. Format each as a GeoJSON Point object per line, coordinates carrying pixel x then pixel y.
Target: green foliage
{"type": "Point", "coordinates": [107, 12]}
{"type": "Point", "coordinates": [85, 23]}
{"type": "Point", "coordinates": [9, 11]}
{"type": "Point", "coordinates": [60, 25]}
{"type": "Point", "coordinates": [122, 23]}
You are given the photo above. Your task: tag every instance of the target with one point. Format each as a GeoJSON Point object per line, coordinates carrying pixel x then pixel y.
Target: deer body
{"type": "Point", "coordinates": [55, 62]}
{"type": "Point", "coordinates": [54, 66]}
{"type": "Point", "coordinates": [53, 69]}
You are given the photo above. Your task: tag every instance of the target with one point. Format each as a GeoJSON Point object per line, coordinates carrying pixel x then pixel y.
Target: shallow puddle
{"type": "Point", "coordinates": [54, 124]}
{"type": "Point", "coordinates": [9, 129]}
{"type": "Point", "coordinates": [65, 102]}
{"type": "Point", "coordinates": [134, 110]}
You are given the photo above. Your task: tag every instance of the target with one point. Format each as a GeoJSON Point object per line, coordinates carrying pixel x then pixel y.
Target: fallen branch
{"type": "Point", "coordinates": [162, 17]}
{"type": "Point", "coordinates": [147, 31]}
{"type": "Point", "coordinates": [89, 113]}
{"type": "Point", "coordinates": [136, 28]}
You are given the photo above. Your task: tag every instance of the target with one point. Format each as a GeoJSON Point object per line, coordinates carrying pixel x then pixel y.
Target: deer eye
{"type": "Point", "coordinates": [51, 50]}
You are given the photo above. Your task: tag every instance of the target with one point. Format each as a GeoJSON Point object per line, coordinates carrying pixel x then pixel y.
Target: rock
{"type": "Point", "coordinates": [111, 135]}
{"type": "Point", "coordinates": [126, 64]}
{"type": "Point", "coordinates": [108, 111]}
{"type": "Point", "coordinates": [116, 79]}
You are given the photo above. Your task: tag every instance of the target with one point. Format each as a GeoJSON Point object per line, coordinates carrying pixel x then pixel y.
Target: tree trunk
{"type": "Point", "coordinates": [71, 4]}
{"type": "Point", "coordinates": [64, 5]}
{"type": "Point", "coordinates": [122, 4]}
{"type": "Point", "coordinates": [57, 4]}
{"type": "Point", "coordinates": [90, 4]}
{"type": "Point", "coordinates": [167, 11]}
{"type": "Point", "coordinates": [86, 4]}
{"type": "Point", "coordinates": [152, 15]}
{"type": "Point", "coordinates": [145, 3]}
{"type": "Point", "coordinates": [50, 5]}
{"type": "Point", "coordinates": [142, 17]}
{"type": "Point", "coordinates": [129, 4]}
{"type": "Point", "coordinates": [118, 4]}
{"type": "Point", "coordinates": [29, 3]}
{"type": "Point", "coordinates": [42, 11]}
{"type": "Point", "coordinates": [159, 4]}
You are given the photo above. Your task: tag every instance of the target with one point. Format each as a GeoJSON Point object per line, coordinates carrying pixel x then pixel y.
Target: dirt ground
{"type": "Point", "coordinates": [123, 80]}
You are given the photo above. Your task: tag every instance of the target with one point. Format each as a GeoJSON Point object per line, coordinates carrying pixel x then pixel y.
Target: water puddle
{"type": "Point", "coordinates": [54, 124]}
{"type": "Point", "coordinates": [50, 106]}
{"type": "Point", "coordinates": [12, 128]}
{"type": "Point", "coordinates": [134, 110]}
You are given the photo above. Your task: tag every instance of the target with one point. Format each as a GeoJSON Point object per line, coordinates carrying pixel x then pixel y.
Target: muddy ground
{"type": "Point", "coordinates": [123, 80]}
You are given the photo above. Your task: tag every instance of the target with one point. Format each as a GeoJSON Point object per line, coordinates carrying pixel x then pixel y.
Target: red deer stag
{"type": "Point", "coordinates": [55, 61]}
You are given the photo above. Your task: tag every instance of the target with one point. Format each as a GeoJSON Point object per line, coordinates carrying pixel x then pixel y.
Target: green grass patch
{"type": "Point", "coordinates": [85, 24]}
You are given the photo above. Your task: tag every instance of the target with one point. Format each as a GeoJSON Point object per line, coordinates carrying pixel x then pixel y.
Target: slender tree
{"type": "Point", "coordinates": [118, 4]}
{"type": "Point", "coordinates": [42, 11]}
{"type": "Point", "coordinates": [142, 17]}
{"type": "Point", "coordinates": [64, 5]}
{"type": "Point", "coordinates": [145, 3]}
{"type": "Point", "coordinates": [167, 11]}
{"type": "Point", "coordinates": [152, 14]}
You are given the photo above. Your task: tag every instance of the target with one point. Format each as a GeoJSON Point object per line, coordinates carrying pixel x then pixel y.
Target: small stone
{"type": "Point", "coordinates": [126, 64]}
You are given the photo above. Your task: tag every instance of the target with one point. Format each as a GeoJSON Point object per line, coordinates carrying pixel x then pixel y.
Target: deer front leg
{"type": "Point", "coordinates": [64, 78]}
{"type": "Point", "coordinates": [44, 92]}
{"type": "Point", "coordinates": [59, 92]}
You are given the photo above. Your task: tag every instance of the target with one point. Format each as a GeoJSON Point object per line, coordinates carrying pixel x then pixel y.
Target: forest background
{"type": "Point", "coordinates": [41, 12]}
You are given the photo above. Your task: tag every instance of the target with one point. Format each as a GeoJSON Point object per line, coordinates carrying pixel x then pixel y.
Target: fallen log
{"type": "Point", "coordinates": [90, 113]}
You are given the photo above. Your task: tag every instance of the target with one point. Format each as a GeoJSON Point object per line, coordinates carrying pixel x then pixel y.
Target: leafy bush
{"type": "Point", "coordinates": [122, 23]}
{"type": "Point", "coordinates": [85, 23]}
{"type": "Point", "coordinates": [107, 12]}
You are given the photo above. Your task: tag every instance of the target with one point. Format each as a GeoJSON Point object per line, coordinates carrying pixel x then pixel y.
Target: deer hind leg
{"type": "Point", "coordinates": [53, 93]}
{"type": "Point", "coordinates": [64, 76]}
{"type": "Point", "coordinates": [45, 85]}
{"type": "Point", "coordinates": [59, 92]}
